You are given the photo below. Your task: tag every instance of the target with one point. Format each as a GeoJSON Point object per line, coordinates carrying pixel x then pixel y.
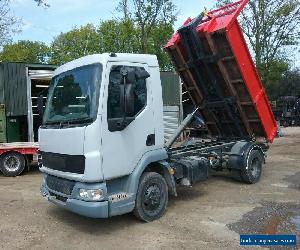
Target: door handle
{"type": "Point", "coordinates": [150, 140]}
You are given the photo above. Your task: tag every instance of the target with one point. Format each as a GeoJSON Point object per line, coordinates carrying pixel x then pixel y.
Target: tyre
{"type": "Point", "coordinates": [252, 168]}
{"type": "Point", "coordinates": [152, 197]}
{"type": "Point", "coordinates": [12, 164]}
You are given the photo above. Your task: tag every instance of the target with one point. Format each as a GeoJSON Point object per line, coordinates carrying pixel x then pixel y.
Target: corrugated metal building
{"type": "Point", "coordinates": [20, 84]}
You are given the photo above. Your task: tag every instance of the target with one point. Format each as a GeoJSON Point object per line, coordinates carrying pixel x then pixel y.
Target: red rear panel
{"type": "Point", "coordinates": [221, 78]}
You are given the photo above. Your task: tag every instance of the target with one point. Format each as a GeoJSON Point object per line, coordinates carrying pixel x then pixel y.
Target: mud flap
{"type": "Point", "coordinates": [167, 173]}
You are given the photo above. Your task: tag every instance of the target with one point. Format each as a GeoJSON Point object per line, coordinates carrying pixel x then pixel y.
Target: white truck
{"type": "Point", "coordinates": [101, 146]}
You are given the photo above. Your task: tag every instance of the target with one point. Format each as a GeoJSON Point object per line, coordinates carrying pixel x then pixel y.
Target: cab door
{"type": "Point", "coordinates": [123, 149]}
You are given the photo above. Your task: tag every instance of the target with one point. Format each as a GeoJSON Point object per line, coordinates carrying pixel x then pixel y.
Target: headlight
{"type": "Point", "coordinates": [90, 194]}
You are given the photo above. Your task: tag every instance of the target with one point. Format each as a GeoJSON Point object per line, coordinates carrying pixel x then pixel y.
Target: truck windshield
{"type": "Point", "coordinates": [73, 95]}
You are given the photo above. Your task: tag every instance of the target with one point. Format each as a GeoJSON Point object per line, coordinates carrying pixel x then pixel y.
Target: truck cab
{"type": "Point", "coordinates": [103, 124]}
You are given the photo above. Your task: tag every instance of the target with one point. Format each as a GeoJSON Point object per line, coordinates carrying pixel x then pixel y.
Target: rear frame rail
{"type": "Point", "coordinates": [201, 149]}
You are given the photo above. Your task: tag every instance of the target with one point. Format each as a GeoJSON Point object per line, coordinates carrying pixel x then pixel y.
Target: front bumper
{"type": "Point", "coordinates": [85, 208]}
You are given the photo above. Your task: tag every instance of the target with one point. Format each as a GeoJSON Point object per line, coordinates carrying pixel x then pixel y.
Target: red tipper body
{"type": "Point", "coordinates": [212, 58]}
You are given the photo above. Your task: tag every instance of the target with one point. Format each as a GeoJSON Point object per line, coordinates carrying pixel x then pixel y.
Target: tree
{"type": "Point", "coordinates": [8, 23]}
{"type": "Point", "coordinates": [25, 51]}
{"type": "Point", "coordinates": [154, 21]}
{"type": "Point", "coordinates": [272, 28]}
{"type": "Point", "coordinates": [42, 3]}
{"type": "Point", "coordinates": [74, 44]}
{"type": "Point", "coordinates": [110, 36]}
{"type": "Point", "coordinates": [119, 36]}
{"type": "Point", "coordinates": [273, 83]}
{"type": "Point", "coordinates": [146, 14]}
{"type": "Point", "coordinates": [158, 39]}
{"type": "Point", "coordinates": [290, 84]}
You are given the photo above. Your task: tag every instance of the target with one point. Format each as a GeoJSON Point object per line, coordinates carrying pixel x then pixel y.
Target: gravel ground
{"type": "Point", "coordinates": [211, 215]}
{"type": "Point", "coordinates": [270, 218]}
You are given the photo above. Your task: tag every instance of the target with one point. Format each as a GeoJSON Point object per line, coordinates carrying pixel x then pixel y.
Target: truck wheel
{"type": "Point", "coordinates": [252, 169]}
{"type": "Point", "coordinates": [152, 197]}
{"type": "Point", "coordinates": [12, 164]}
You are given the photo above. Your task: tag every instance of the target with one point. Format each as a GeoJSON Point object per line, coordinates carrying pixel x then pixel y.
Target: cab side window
{"type": "Point", "coordinates": [114, 105]}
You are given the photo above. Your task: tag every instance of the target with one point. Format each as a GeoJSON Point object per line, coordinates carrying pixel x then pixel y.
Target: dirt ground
{"type": "Point", "coordinates": [211, 215]}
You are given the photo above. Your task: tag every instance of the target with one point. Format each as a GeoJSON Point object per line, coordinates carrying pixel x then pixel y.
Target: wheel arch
{"type": "Point", "coordinates": [163, 168]}
{"type": "Point", "coordinates": [150, 160]}
{"type": "Point", "coordinates": [240, 152]}
{"type": "Point", "coordinates": [15, 152]}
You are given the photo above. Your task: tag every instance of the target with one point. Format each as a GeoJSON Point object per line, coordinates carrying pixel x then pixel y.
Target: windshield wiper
{"type": "Point", "coordinates": [67, 123]}
{"type": "Point", "coordinates": [52, 123]}
{"type": "Point", "coordinates": [81, 120]}
{"type": "Point", "coordinates": [75, 121]}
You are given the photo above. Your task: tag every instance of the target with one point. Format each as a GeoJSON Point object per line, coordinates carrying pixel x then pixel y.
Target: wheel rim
{"type": "Point", "coordinates": [12, 163]}
{"type": "Point", "coordinates": [255, 167]}
{"type": "Point", "coordinates": [151, 198]}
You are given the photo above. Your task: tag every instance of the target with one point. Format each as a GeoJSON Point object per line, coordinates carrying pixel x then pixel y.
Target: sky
{"type": "Point", "coordinates": [43, 24]}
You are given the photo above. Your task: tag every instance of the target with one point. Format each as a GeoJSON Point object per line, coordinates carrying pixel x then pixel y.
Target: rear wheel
{"type": "Point", "coordinates": [252, 168]}
{"type": "Point", "coordinates": [12, 164]}
{"type": "Point", "coordinates": [152, 197]}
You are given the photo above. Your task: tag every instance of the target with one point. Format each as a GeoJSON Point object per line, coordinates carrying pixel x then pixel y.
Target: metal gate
{"type": "Point", "coordinates": [35, 74]}
{"type": "Point", "coordinates": [171, 120]}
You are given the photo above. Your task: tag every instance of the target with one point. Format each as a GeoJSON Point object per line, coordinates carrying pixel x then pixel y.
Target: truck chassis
{"type": "Point", "coordinates": [189, 165]}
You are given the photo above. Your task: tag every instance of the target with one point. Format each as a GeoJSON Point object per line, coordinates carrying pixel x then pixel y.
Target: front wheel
{"type": "Point", "coordinates": [12, 164]}
{"type": "Point", "coordinates": [152, 197]}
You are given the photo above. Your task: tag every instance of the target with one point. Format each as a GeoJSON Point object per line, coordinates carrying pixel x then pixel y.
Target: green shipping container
{"type": "Point", "coordinates": [13, 129]}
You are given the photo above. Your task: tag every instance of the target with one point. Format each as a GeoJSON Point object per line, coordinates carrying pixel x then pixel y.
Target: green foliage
{"type": "Point", "coordinates": [290, 83]}
{"type": "Point", "coordinates": [153, 21]}
{"type": "Point", "coordinates": [273, 75]}
{"type": "Point", "coordinates": [119, 36]}
{"type": "Point", "coordinates": [109, 36]}
{"type": "Point", "coordinates": [25, 51]}
{"type": "Point", "coordinates": [74, 44]}
{"type": "Point", "coordinates": [272, 28]}
{"type": "Point", "coordinates": [158, 39]}
{"type": "Point", "coordinates": [287, 85]}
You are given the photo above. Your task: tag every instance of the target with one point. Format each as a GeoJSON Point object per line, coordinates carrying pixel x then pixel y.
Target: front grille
{"type": "Point", "coordinates": [60, 185]}
{"type": "Point", "coordinates": [64, 163]}
{"type": "Point", "coordinates": [58, 197]}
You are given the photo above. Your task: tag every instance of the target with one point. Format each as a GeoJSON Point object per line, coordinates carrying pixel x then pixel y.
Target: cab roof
{"type": "Point", "coordinates": [150, 60]}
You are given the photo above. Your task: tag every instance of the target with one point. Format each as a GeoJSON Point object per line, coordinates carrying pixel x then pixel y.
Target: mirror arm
{"type": "Point", "coordinates": [124, 101]}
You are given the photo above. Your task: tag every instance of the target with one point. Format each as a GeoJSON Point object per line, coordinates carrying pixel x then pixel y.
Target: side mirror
{"type": "Point", "coordinates": [130, 77]}
{"type": "Point", "coordinates": [141, 74]}
{"type": "Point", "coordinates": [127, 97]}
{"type": "Point", "coordinates": [40, 105]}
{"type": "Point", "coordinates": [127, 92]}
